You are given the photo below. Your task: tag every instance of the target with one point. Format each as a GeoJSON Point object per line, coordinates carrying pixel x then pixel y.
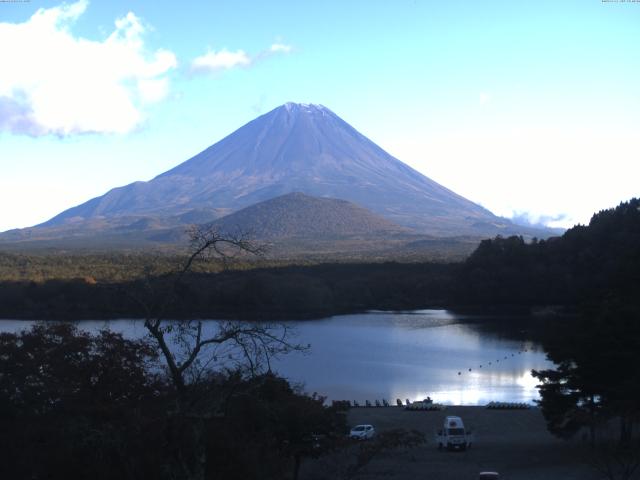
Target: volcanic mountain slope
{"type": "Point", "coordinates": [294, 148]}
{"type": "Point", "coordinates": [299, 215]}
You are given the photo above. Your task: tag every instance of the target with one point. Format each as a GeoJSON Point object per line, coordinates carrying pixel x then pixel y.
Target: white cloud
{"type": "Point", "coordinates": [484, 98]}
{"type": "Point", "coordinates": [212, 61]}
{"type": "Point", "coordinates": [153, 90]}
{"type": "Point", "coordinates": [54, 82]}
{"type": "Point", "coordinates": [223, 60]}
{"type": "Point", "coordinates": [280, 48]}
{"type": "Point", "coordinates": [537, 219]}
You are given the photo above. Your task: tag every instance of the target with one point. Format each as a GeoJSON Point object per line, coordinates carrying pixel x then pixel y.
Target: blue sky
{"type": "Point", "coordinates": [523, 107]}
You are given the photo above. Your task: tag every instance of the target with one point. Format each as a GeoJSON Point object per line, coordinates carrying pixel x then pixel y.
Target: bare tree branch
{"type": "Point", "coordinates": [251, 344]}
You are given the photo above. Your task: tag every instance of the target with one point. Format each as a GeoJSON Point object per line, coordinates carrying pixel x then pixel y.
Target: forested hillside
{"type": "Point", "coordinates": [586, 263]}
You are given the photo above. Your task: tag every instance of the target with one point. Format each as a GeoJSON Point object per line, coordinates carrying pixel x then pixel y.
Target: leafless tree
{"type": "Point", "coordinates": [191, 349]}
{"type": "Point", "coordinates": [188, 347]}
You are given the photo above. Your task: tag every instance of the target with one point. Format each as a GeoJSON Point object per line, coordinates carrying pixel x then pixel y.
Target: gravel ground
{"type": "Point", "coordinates": [514, 443]}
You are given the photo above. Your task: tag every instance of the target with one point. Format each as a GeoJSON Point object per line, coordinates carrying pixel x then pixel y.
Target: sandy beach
{"type": "Point", "coordinates": [514, 443]}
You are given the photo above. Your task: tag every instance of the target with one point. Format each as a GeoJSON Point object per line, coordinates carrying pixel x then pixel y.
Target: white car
{"type": "Point", "coordinates": [362, 432]}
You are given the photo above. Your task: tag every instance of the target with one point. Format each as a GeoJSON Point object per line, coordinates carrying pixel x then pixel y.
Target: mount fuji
{"type": "Point", "coordinates": [294, 148]}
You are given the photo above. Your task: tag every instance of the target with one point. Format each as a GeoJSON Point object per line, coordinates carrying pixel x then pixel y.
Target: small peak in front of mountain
{"type": "Point", "coordinates": [299, 215]}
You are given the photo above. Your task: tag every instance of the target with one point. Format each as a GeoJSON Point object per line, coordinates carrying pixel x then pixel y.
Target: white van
{"type": "Point", "coordinates": [453, 434]}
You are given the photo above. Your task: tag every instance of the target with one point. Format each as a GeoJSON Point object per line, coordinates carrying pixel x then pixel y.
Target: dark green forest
{"type": "Point", "coordinates": [286, 292]}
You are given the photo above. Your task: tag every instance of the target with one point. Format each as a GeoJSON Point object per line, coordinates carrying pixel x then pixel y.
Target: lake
{"type": "Point", "coordinates": [453, 359]}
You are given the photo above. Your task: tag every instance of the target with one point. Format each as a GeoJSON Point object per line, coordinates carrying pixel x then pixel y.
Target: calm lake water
{"type": "Point", "coordinates": [453, 359]}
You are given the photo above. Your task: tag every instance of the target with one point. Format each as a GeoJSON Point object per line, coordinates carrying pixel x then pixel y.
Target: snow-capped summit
{"type": "Point", "coordinates": [306, 107]}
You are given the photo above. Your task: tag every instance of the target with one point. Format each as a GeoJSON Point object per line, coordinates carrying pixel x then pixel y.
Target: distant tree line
{"type": "Point", "coordinates": [286, 292]}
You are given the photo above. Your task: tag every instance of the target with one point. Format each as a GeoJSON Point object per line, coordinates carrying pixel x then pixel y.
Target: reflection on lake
{"type": "Point", "coordinates": [398, 355]}
{"type": "Point", "coordinates": [413, 355]}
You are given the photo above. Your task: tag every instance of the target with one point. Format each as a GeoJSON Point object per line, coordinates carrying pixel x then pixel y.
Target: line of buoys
{"type": "Point", "coordinates": [508, 406]}
{"type": "Point", "coordinates": [520, 352]}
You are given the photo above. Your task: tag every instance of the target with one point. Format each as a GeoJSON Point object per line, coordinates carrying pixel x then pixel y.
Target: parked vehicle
{"type": "Point", "coordinates": [362, 432]}
{"type": "Point", "coordinates": [454, 435]}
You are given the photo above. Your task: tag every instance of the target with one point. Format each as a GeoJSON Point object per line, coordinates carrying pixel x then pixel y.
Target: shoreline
{"type": "Point", "coordinates": [479, 313]}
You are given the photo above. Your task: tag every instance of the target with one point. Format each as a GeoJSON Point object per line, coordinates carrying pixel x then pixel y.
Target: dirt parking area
{"type": "Point", "coordinates": [514, 443]}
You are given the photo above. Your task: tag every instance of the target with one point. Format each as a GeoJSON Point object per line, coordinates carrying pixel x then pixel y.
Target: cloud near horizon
{"type": "Point", "coordinates": [224, 59]}
{"type": "Point", "coordinates": [54, 82]}
{"type": "Point", "coordinates": [533, 219]}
